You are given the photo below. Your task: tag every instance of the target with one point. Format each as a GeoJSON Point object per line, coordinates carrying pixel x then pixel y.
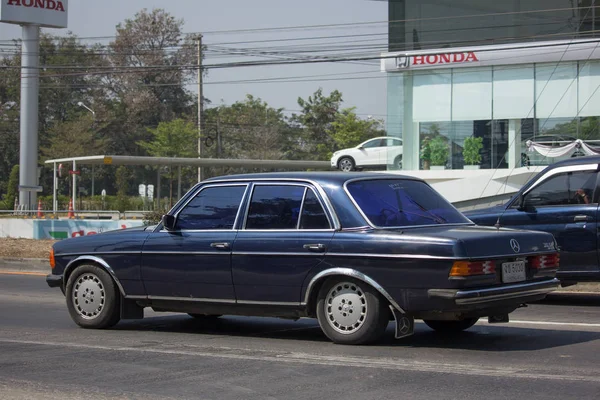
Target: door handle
{"type": "Point", "coordinates": [220, 246]}
{"type": "Point", "coordinates": [315, 247]}
{"type": "Point", "coordinates": [581, 218]}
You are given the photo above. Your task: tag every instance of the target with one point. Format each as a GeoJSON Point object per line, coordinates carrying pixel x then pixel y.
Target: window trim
{"type": "Point", "coordinates": [404, 178]}
{"type": "Point", "coordinates": [297, 229]}
{"type": "Point", "coordinates": [550, 174]}
{"type": "Point", "coordinates": [209, 186]}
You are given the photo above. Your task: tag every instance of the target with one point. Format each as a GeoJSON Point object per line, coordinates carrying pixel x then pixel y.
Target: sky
{"type": "Point", "coordinates": [361, 83]}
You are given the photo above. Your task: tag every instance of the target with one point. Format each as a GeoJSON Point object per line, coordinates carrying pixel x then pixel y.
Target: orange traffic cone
{"type": "Point", "coordinates": [71, 214]}
{"type": "Point", "coordinates": [40, 214]}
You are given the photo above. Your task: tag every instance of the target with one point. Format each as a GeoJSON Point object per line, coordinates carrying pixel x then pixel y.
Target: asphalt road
{"type": "Point", "coordinates": [548, 350]}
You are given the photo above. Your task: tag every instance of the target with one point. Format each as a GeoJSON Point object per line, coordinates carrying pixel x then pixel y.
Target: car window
{"type": "Point", "coordinates": [394, 142]}
{"type": "Point", "coordinates": [562, 189]}
{"type": "Point", "coordinates": [402, 202]}
{"type": "Point", "coordinates": [313, 216]}
{"type": "Point", "coordinates": [275, 207]}
{"type": "Point", "coordinates": [212, 208]}
{"type": "Point", "coordinates": [372, 143]}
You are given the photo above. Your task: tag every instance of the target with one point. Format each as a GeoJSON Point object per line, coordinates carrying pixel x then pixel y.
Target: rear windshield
{"type": "Point", "coordinates": [403, 202]}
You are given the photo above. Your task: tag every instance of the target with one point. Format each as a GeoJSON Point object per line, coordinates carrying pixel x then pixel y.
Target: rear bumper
{"type": "Point", "coordinates": [522, 292]}
{"type": "Point", "coordinates": [54, 280]}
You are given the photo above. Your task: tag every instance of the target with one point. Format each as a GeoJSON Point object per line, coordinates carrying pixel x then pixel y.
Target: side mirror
{"type": "Point", "coordinates": [168, 222]}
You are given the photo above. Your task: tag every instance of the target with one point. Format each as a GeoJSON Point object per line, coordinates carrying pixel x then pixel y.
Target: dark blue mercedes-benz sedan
{"type": "Point", "coordinates": [562, 200]}
{"type": "Point", "coordinates": [354, 250]}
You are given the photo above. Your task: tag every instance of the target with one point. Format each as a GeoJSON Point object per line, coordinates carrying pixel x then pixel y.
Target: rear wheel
{"type": "Point", "coordinates": [93, 300]}
{"type": "Point", "coordinates": [398, 162]}
{"type": "Point", "coordinates": [451, 326]}
{"type": "Point", "coordinates": [346, 164]}
{"type": "Point", "coordinates": [351, 312]}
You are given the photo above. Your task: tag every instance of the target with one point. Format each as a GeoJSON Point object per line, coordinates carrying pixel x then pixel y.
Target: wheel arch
{"type": "Point", "coordinates": [315, 284]}
{"type": "Point", "coordinates": [82, 260]}
{"type": "Point", "coordinates": [346, 156]}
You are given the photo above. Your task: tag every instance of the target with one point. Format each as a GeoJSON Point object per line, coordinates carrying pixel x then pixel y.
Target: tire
{"type": "Point", "coordinates": [451, 326]}
{"type": "Point", "coordinates": [351, 312]}
{"type": "Point", "coordinates": [398, 162]}
{"type": "Point", "coordinates": [346, 164]}
{"type": "Point", "coordinates": [204, 316]}
{"type": "Point", "coordinates": [92, 298]}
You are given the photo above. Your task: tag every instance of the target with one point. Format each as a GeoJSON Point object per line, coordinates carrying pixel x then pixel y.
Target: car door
{"type": "Point", "coordinates": [393, 152]}
{"type": "Point", "coordinates": [194, 260]}
{"type": "Point", "coordinates": [564, 203]}
{"type": "Point", "coordinates": [286, 234]}
{"type": "Point", "coordinates": [369, 153]}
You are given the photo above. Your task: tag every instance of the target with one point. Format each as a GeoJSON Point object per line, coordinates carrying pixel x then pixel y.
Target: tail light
{"type": "Point", "coordinates": [469, 268]}
{"type": "Point", "coordinates": [52, 260]}
{"type": "Point", "coordinates": [547, 261]}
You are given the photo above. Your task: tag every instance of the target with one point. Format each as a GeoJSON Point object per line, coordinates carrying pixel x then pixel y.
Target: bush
{"type": "Point", "coordinates": [472, 147]}
{"type": "Point", "coordinates": [439, 151]}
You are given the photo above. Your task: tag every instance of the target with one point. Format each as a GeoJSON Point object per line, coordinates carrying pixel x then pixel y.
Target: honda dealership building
{"type": "Point", "coordinates": [512, 73]}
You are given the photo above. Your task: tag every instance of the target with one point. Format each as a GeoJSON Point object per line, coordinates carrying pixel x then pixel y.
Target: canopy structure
{"type": "Point", "coordinates": [174, 162]}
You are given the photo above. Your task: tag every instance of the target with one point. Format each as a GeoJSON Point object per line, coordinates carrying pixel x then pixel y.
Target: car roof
{"type": "Point", "coordinates": [321, 177]}
{"type": "Point", "coordinates": [577, 161]}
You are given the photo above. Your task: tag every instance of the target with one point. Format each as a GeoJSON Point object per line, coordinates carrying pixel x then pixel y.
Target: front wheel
{"type": "Point", "coordinates": [92, 298]}
{"type": "Point", "coordinates": [346, 164]}
{"type": "Point", "coordinates": [451, 326]}
{"type": "Point", "coordinates": [351, 312]}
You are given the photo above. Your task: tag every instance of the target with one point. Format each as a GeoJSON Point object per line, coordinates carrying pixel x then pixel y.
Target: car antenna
{"type": "Point", "coordinates": [497, 224]}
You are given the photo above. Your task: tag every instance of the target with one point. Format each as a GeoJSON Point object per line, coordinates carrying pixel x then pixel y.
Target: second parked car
{"type": "Point", "coordinates": [376, 153]}
{"type": "Point", "coordinates": [562, 200]}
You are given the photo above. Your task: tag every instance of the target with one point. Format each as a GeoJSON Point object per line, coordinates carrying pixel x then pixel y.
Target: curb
{"type": "Point", "coordinates": [24, 264]}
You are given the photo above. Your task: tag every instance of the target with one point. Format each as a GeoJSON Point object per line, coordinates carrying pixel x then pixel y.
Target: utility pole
{"type": "Point", "coordinates": [200, 107]}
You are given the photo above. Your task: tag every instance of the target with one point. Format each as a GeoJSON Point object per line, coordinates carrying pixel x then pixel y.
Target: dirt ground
{"type": "Point", "coordinates": [25, 248]}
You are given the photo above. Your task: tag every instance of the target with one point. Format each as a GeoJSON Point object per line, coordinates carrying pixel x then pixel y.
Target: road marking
{"type": "Point", "coordinates": [582, 324]}
{"type": "Point", "coordinates": [22, 273]}
{"type": "Point", "coordinates": [516, 372]}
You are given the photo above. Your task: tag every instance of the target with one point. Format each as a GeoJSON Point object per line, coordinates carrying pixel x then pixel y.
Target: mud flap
{"type": "Point", "coordinates": [405, 324]}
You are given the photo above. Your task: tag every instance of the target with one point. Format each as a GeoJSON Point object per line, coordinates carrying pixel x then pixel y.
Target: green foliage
{"type": "Point", "coordinates": [176, 138]}
{"type": "Point", "coordinates": [123, 176]}
{"type": "Point", "coordinates": [472, 147]}
{"type": "Point", "coordinates": [347, 130]}
{"type": "Point", "coordinates": [12, 190]}
{"type": "Point", "coordinates": [439, 151]}
{"type": "Point", "coordinates": [426, 149]}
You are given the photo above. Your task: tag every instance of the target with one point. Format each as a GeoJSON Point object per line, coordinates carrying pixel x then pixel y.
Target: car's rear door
{"type": "Point", "coordinates": [286, 233]}
{"type": "Point", "coordinates": [193, 262]}
{"type": "Point", "coordinates": [564, 203]}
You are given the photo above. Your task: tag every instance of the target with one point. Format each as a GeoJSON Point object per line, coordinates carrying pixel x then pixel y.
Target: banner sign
{"type": "Point", "coordinates": [63, 229]}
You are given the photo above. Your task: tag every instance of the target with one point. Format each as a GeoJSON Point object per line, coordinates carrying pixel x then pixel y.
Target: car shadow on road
{"type": "Point", "coordinates": [481, 337]}
{"type": "Point", "coordinates": [572, 299]}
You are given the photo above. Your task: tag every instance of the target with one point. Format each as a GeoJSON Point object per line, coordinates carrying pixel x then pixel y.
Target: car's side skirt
{"type": "Point", "coordinates": [212, 307]}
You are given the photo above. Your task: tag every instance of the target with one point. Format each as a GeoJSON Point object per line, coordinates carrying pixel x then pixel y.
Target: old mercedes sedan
{"type": "Point", "coordinates": [354, 250]}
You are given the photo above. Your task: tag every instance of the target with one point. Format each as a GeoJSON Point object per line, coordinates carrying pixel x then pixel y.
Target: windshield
{"type": "Point", "coordinates": [403, 202]}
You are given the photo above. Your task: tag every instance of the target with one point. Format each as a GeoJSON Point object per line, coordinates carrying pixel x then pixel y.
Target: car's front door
{"type": "Point", "coordinates": [286, 234]}
{"type": "Point", "coordinates": [370, 152]}
{"type": "Point", "coordinates": [194, 260]}
{"type": "Point", "coordinates": [566, 205]}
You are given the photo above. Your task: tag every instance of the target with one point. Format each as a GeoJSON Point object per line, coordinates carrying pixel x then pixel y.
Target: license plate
{"type": "Point", "coordinates": [513, 271]}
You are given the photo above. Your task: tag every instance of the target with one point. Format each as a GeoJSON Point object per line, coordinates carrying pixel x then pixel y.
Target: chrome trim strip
{"type": "Point", "coordinates": [136, 297]}
{"type": "Point", "coordinates": [192, 299]}
{"type": "Point", "coordinates": [353, 274]}
{"type": "Point", "coordinates": [505, 292]}
{"type": "Point", "coordinates": [398, 227]}
{"type": "Point", "coordinates": [560, 170]}
{"type": "Point", "coordinates": [194, 253]}
{"type": "Point", "coordinates": [99, 261]}
{"type": "Point", "coordinates": [269, 303]}
{"type": "Point", "coordinates": [428, 257]}
{"type": "Point", "coordinates": [266, 253]}
{"type": "Point", "coordinates": [328, 206]}
{"type": "Point", "coordinates": [98, 252]}
{"type": "Point", "coordinates": [287, 230]}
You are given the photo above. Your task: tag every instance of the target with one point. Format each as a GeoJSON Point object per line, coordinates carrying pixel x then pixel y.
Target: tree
{"type": "Point", "coordinates": [123, 178]}
{"type": "Point", "coordinates": [319, 112]}
{"type": "Point", "coordinates": [347, 130]}
{"type": "Point", "coordinates": [177, 138]}
{"type": "Point", "coordinates": [12, 190]}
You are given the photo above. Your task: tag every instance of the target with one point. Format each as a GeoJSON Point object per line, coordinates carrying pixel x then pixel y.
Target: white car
{"type": "Point", "coordinates": [378, 152]}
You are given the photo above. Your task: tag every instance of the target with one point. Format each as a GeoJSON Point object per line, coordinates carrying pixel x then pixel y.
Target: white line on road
{"type": "Point", "coordinates": [524, 372]}
{"type": "Point", "coordinates": [582, 324]}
